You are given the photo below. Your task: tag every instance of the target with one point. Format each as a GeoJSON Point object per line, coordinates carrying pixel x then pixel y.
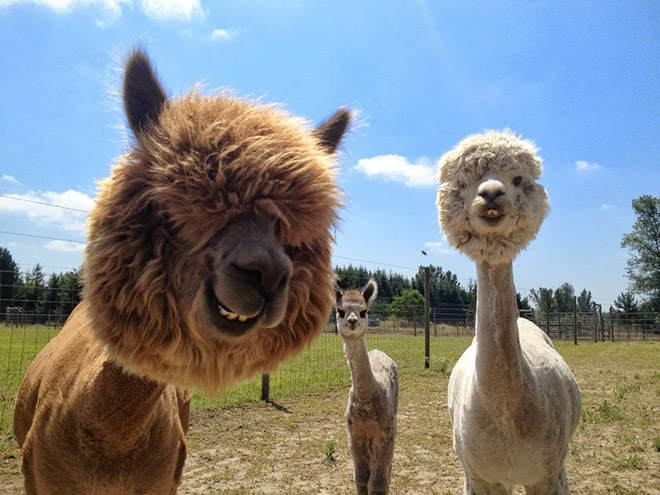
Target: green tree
{"type": "Point", "coordinates": [584, 302]}
{"type": "Point", "coordinates": [643, 266]}
{"type": "Point", "coordinates": [626, 303]}
{"type": "Point", "coordinates": [563, 298]}
{"type": "Point", "coordinates": [541, 297]}
{"type": "Point", "coordinates": [444, 286]}
{"type": "Point", "coordinates": [9, 275]}
{"type": "Point", "coordinates": [409, 304]}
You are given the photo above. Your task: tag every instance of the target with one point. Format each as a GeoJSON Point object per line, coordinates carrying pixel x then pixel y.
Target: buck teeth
{"type": "Point", "coordinates": [231, 316]}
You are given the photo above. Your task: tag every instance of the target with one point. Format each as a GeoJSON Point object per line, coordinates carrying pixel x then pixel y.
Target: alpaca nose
{"type": "Point", "coordinates": [491, 189]}
{"type": "Point", "coordinates": [265, 270]}
{"type": "Point", "coordinates": [352, 319]}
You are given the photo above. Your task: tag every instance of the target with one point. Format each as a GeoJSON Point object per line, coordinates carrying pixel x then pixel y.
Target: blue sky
{"type": "Point", "coordinates": [582, 79]}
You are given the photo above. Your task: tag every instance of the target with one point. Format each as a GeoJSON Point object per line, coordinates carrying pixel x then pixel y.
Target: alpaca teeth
{"type": "Point", "coordinates": [492, 213]}
{"type": "Point", "coordinates": [232, 316]}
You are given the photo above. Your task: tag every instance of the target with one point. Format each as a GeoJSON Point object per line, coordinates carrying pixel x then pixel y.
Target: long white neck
{"type": "Point", "coordinates": [358, 360]}
{"type": "Point", "coordinates": [500, 365]}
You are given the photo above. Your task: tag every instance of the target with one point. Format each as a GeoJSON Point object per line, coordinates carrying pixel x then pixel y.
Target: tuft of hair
{"type": "Point", "coordinates": [197, 163]}
{"type": "Point", "coordinates": [465, 164]}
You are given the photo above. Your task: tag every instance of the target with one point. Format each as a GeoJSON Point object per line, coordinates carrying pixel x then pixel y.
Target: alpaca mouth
{"type": "Point", "coordinates": [224, 319]}
{"type": "Point", "coordinates": [492, 216]}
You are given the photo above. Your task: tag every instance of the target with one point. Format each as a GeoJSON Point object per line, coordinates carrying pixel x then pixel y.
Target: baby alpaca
{"type": "Point", "coordinates": [208, 260]}
{"type": "Point", "coordinates": [373, 399]}
{"type": "Point", "coordinates": [513, 401]}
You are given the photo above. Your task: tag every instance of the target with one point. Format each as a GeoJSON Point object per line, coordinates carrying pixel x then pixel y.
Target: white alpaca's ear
{"type": "Point", "coordinates": [370, 291]}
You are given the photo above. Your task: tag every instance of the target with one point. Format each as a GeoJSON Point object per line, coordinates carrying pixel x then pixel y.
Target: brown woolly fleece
{"type": "Point", "coordinates": [104, 407]}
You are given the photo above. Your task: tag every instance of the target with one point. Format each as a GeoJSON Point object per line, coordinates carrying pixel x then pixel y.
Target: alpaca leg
{"type": "Point", "coordinates": [381, 472]}
{"type": "Point", "coordinates": [555, 486]}
{"type": "Point", "coordinates": [362, 473]}
{"type": "Point", "coordinates": [475, 486]}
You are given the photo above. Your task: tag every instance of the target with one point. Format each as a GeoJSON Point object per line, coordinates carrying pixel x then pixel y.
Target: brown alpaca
{"type": "Point", "coordinates": [208, 260]}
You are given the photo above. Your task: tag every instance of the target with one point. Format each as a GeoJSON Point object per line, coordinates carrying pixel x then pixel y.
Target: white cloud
{"type": "Point", "coordinates": [172, 9]}
{"type": "Point", "coordinates": [113, 7]}
{"type": "Point", "coordinates": [52, 209]}
{"type": "Point", "coordinates": [222, 35]}
{"type": "Point", "coordinates": [607, 207]}
{"type": "Point", "coordinates": [9, 178]}
{"type": "Point", "coordinates": [64, 246]}
{"type": "Point", "coordinates": [438, 247]}
{"type": "Point", "coordinates": [397, 168]}
{"type": "Point", "coordinates": [157, 9]}
{"type": "Point", "coordinates": [582, 166]}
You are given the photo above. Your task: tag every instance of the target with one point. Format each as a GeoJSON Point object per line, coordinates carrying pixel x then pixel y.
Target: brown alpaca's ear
{"type": "Point", "coordinates": [330, 132]}
{"type": "Point", "coordinates": [370, 291]}
{"type": "Point", "coordinates": [143, 95]}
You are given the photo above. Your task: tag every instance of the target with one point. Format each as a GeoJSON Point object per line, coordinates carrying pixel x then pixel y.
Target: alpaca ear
{"type": "Point", "coordinates": [143, 95]}
{"type": "Point", "coordinates": [338, 295]}
{"type": "Point", "coordinates": [330, 132]}
{"type": "Point", "coordinates": [370, 291]}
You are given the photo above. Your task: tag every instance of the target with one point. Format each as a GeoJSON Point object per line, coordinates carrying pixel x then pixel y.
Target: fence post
{"type": "Point", "coordinates": [574, 320]}
{"type": "Point", "coordinates": [265, 387]}
{"type": "Point", "coordinates": [427, 320]}
{"type": "Point", "coordinates": [547, 313]}
{"type": "Point", "coordinates": [593, 305]}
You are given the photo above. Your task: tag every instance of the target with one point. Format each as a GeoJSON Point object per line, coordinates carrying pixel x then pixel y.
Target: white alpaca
{"type": "Point", "coordinates": [513, 401]}
{"type": "Point", "coordinates": [372, 402]}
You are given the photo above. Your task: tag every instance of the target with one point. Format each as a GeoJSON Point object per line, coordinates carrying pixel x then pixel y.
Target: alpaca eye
{"type": "Point", "coordinates": [341, 313]}
{"type": "Point", "coordinates": [517, 180]}
{"type": "Point", "coordinates": [363, 313]}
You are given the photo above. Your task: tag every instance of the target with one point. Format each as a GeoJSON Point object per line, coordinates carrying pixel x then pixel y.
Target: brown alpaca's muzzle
{"type": "Point", "coordinates": [249, 283]}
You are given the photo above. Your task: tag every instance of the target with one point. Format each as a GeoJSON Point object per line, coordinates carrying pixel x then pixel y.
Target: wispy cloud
{"type": "Point", "coordinates": [9, 178]}
{"type": "Point", "coordinates": [113, 7]}
{"type": "Point", "coordinates": [397, 168]}
{"type": "Point", "coordinates": [438, 247]}
{"type": "Point", "coordinates": [64, 246]}
{"type": "Point", "coordinates": [63, 210]}
{"type": "Point", "coordinates": [607, 207]}
{"type": "Point", "coordinates": [223, 35]}
{"type": "Point", "coordinates": [582, 166]}
{"type": "Point", "coordinates": [172, 9]}
{"type": "Point", "coordinates": [156, 9]}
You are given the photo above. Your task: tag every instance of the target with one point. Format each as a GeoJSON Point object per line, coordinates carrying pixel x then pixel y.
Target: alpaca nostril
{"type": "Point", "coordinates": [491, 190]}
{"type": "Point", "coordinates": [265, 274]}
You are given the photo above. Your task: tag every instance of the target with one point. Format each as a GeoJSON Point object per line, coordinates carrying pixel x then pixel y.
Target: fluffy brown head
{"type": "Point", "coordinates": [489, 204]}
{"type": "Point", "coordinates": [208, 255]}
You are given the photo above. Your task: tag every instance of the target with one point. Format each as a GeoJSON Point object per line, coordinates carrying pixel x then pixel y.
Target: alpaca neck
{"type": "Point", "coordinates": [358, 360]}
{"type": "Point", "coordinates": [122, 405]}
{"type": "Point", "coordinates": [499, 356]}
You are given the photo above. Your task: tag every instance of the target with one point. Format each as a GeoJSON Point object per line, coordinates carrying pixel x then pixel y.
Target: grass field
{"type": "Point", "coordinates": [239, 445]}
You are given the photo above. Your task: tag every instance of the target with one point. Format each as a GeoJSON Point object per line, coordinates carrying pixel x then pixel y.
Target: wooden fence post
{"type": "Point", "coordinates": [574, 320]}
{"type": "Point", "coordinates": [265, 387]}
{"type": "Point", "coordinates": [547, 313]}
{"type": "Point", "coordinates": [427, 320]}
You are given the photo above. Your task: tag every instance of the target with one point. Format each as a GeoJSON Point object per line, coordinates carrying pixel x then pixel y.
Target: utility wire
{"type": "Point", "coordinates": [42, 237]}
{"type": "Point", "coordinates": [42, 203]}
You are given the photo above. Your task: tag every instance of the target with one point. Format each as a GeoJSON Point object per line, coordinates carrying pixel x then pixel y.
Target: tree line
{"type": "Point", "coordinates": [58, 293]}
{"type": "Point", "coordinates": [36, 292]}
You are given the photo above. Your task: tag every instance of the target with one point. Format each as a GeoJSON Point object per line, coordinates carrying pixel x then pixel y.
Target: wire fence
{"type": "Point", "coordinates": [33, 310]}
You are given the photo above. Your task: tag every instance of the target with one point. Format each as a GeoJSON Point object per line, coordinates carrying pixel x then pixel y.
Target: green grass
{"type": "Point", "coordinates": [620, 384]}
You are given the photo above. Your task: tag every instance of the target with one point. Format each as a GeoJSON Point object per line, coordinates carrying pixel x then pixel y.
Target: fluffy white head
{"type": "Point", "coordinates": [352, 310]}
{"type": "Point", "coordinates": [489, 203]}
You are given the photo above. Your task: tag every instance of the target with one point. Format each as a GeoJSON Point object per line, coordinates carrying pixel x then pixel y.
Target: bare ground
{"type": "Point", "coordinates": [299, 446]}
